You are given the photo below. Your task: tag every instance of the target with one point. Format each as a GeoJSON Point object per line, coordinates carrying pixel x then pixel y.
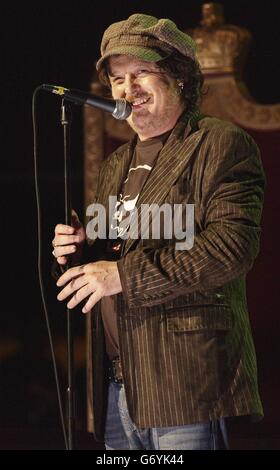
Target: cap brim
{"type": "Point", "coordinates": [141, 53]}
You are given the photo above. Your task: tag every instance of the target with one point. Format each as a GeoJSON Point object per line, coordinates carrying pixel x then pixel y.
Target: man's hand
{"type": "Point", "coordinates": [92, 280]}
{"type": "Point", "coordinates": [69, 240]}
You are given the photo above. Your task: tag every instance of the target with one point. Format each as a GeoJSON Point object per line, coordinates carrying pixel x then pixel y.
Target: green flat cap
{"type": "Point", "coordinates": [146, 38]}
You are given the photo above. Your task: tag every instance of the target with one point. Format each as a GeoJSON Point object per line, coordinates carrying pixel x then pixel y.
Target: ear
{"type": "Point", "coordinates": [180, 85]}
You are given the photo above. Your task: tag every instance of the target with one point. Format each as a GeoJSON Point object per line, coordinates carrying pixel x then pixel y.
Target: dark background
{"type": "Point", "coordinates": [58, 43]}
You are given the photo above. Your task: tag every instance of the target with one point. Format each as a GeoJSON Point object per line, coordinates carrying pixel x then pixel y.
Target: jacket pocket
{"type": "Point", "coordinates": [218, 318]}
{"type": "Point", "coordinates": [197, 300]}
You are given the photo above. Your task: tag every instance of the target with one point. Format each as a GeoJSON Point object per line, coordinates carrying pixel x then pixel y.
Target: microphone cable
{"type": "Point", "coordinates": [39, 257]}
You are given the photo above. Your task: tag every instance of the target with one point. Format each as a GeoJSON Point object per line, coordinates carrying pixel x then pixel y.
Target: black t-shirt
{"type": "Point", "coordinates": [143, 160]}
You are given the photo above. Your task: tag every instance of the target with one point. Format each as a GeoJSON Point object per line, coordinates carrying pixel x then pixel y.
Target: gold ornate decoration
{"type": "Point", "coordinates": [221, 51]}
{"type": "Point", "coordinates": [228, 99]}
{"type": "Point", "coordinates": [220, 47]}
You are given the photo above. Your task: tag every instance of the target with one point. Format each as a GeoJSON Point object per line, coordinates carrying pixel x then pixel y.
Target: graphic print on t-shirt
{"type": "Point", "coordinates": [127, 200]}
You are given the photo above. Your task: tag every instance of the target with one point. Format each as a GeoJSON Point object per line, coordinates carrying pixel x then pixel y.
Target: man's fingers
{"type": "Point", "coordinates": [64, 250]}
{"type": "Point", "coordinates": [61, 229]}
{"type": "Point", "coordinates": [61, 260]}
{"type": "Point", "coordinates": [61, 240]}
{"type": "Point", "coordinates": [93, 299]}
{"type": "Point", "coordinates": [70, 274]}
{"type": "Point", "coordinates": [72, 287]}
{"type": "Point", "coordinates": [80, 295]}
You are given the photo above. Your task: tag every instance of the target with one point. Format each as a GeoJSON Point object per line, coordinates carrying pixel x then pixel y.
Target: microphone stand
{"type": "Point", "coordinates": [70, 396]}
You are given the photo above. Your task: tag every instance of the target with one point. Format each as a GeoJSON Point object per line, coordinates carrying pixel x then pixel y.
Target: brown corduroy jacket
{"type": "Point", "coordinates": [186, 346]}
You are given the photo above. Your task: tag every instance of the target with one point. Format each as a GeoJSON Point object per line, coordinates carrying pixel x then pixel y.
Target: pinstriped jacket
{"type": "Point", "coordinates": [186, 346]}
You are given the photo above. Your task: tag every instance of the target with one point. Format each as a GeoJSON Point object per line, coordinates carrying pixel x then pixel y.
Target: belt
{"type": "Point", "coordinates": [115, 371]}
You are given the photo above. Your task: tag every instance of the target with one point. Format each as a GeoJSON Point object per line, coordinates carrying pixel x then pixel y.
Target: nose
{"type": "Point", "coordinates": [130, 84]}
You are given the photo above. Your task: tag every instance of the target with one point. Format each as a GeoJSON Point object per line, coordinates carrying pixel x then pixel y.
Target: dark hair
{"type": "Point", "coordinates": [184, 69]}
{"type": "Point", "coordinates": [188, 71]}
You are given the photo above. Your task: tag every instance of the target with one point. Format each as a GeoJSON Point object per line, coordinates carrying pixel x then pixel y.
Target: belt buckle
{"type": "Point", "coordinates": [117, 370]}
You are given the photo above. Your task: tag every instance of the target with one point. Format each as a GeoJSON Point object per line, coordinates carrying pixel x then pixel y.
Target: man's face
{"type": "Point", "coordinates": [154, 95]}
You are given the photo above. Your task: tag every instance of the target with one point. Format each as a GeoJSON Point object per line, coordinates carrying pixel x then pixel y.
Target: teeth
{"type": "Point", "coordinates": [139, 101]}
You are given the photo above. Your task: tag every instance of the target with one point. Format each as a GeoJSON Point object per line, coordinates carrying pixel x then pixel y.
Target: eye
{"type": "Point", "coordinates": [118, 80]}
{"type": "Point", "coordinates": [143, 72]}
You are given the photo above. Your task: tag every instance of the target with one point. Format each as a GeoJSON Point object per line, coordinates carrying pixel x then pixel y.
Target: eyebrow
{"type": "Point", "coordinates": [152, 69]}
{"type": "Point", "coordinates": [112, 74]}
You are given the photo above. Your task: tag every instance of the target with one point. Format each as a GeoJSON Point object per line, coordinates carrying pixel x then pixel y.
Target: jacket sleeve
{"type": "Point", "coordinates": [230, 201]}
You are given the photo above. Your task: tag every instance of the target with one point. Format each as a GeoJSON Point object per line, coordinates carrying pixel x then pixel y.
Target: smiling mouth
{"type": "Point", "coordinates": [139, 102]}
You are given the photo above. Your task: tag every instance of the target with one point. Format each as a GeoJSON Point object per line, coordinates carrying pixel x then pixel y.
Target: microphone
{"type": "Point", "coordinates": [120, 109]}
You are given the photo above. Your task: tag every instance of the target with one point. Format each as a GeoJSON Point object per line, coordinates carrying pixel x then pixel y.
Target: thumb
{"type": "Point", "coordinates": [75, 221]}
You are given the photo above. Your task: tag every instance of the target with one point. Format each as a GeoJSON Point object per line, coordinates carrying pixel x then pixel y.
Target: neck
{"type": "Point", "coordinates": [150, 132]}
